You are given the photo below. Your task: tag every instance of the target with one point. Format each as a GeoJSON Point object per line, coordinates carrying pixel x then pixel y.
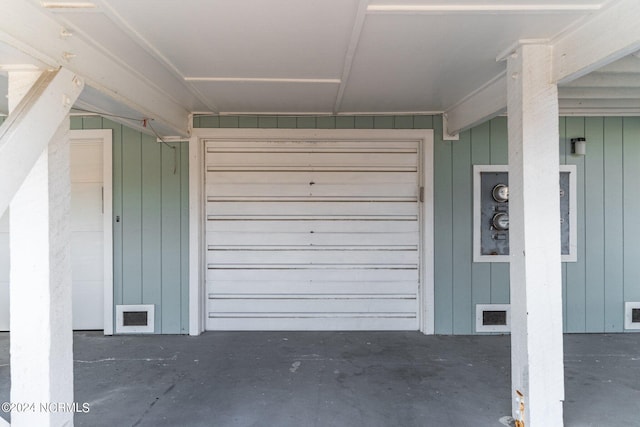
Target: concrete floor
{"type": "Point", "coordinates": [333, 379]}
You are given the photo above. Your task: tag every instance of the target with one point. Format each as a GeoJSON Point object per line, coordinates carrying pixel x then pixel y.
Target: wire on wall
{"type": "Point", "coordinates": [146, 123]}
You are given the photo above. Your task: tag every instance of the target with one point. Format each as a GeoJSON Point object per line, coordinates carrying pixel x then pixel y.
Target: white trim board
{"type": "Point", "coordinates": [105, 136]}
{"type": "Point", "coordinates": [572, 256]}
{"type": "Point", "coordinates": [197, 297]}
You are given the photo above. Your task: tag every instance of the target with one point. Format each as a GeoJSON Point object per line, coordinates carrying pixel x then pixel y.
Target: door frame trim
{"type": "Point", "coordinates": [197, 296]}
{"type": "Point", "coordinates": [106, 138]}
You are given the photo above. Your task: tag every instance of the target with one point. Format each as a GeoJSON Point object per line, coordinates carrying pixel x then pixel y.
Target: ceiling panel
{"type": "Point", "coordinates": [249, 38]}
{"type": "Point", "coordinates": [425, 62]}
{"type": "Point", "coordinates": [102, 31]}
{"type": "Point", "coordinates": [245, 56]}
{"type": "Point", "coordinates": [10, 57]}
{"type": "Point", "coordinates": [269, 97]}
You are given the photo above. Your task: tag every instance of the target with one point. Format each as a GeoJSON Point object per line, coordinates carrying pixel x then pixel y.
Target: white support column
{"type": "Point", "coordinates": [537, 366]}
{"type": "Point", "coordinates": [40, 292]}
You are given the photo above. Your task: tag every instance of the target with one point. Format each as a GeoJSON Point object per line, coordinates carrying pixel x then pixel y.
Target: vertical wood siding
{"type": "Point", "coordinates": [150, 243]}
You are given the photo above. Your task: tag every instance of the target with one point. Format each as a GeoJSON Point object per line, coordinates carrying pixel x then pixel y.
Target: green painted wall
{"type": "Point", "coordinates": [608, 269]}
{"type": "Point", "coordinates": [150, 240]}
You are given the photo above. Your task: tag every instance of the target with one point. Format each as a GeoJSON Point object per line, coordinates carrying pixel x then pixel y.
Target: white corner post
{"type": "Point", "coordinates": [40, 292]}
{"type": "Point", "coordinates": [537, 367]}
{"type": "Point", "coordinates": [197, 298]}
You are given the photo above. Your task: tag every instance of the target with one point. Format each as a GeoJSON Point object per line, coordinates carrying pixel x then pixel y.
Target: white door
{"type": "Point", "coordinates": [87, 233]}
{"type": "Point", "coordinates": [312, 235]}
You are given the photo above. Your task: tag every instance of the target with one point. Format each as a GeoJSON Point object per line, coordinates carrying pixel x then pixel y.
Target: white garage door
{"type": "Point", "coordinates": [312, 235]}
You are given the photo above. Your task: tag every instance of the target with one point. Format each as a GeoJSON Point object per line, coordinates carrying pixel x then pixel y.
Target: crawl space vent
{"type": "Point", "coordinates": [135, 319]}
{"type": "Point", "coordinates": [493, 318]}
{"type": "Point", "coordinates": [632, 315]}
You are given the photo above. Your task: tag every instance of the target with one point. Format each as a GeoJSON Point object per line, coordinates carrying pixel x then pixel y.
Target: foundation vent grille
{"type": "Point", "coordinates": [135, 319]}
{"type": "Point", "coordinates": [493, 318]}
{"type": "Point", "coordinates": [632, 315]}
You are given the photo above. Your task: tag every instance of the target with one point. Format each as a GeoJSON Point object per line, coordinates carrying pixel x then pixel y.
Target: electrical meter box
{"type": "Point", "coordinates": [491, 213]}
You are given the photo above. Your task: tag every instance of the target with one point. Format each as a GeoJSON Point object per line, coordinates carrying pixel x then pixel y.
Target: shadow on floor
{"type": "Point", "coordinates": [333, 379]}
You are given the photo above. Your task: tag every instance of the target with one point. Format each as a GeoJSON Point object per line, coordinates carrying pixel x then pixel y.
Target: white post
{"type": "Point", "coordinates": [537, 367]}
{"type": "Point", "coordinates": [40, 290]}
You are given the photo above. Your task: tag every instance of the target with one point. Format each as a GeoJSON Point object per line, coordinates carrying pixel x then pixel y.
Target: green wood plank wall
{"type": "Point", "coordinates": [152, 202]}
{"type": "Point", "coordinates": [480, 271]}
{"type": "Point", "coordinates": [614, 217]}
{"type": "Point", "coordinates": [150, 196]}
{"type": "Point", "coordinates": [631, 202]}
{"type": "Point", "coordinates": [607, 272]}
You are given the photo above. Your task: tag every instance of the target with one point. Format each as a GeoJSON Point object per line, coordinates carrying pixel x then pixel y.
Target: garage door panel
{"type": "Point", "coordinates": [302, 256]}
{"type": "Point", "coordinates": [224, 239]}
{"type": "Point", "coordinates": [326, 275]}
{"type": "Point", "coordinates": [406, 306]}
{"type": "Point", "coordinates": [331, 322]}
{"type": "Point", "coordinates": [284, 145]}
{"type": "Point", "coordinates": [276, 178]}
{"type": "Point", "coordinates": [311, 190]}
{"type": "Point", "coordinates": [216, 289]}
{"type": "Point", "coordinates": [318, 210]}
{"type": "Point", "coordinates": [340, 185]}
{"type": "Point", "coordinates": [310, 161]}
{"type": "Point", "coordinates": [317, 226]}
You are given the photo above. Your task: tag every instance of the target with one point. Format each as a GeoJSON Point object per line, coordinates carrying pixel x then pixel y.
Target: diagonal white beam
{"type": "Point", "coordinates": [24, 26]}
{"type": "Point", "coordinates": [45, 104]}
{"type": "Point", "coordinates": [607, 36]}
{"type": "Point", "coordinates": [481, 105]}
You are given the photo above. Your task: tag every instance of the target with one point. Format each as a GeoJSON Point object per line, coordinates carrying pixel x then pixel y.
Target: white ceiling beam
{"type": "Point", "coordinates": [25, 27]}
{"type": "Point", "coordinates": [628, 64]}
{"type": "Point", "coordinates": [606, 80]}
{"type": "Point", "coordinates": [21, 144]}
{"type": "Point", "coordinates": [599, 92]}
{"type": "Point", "coordinates": [481, 105]}
{"type": "Point", "coordinates": [600, 104]}
{"type": "Point", "coordinates": [356, 31]}
{"type": "Point", "coordinates": [260, 80]}
{"type": "Point", "coordinates": [462, 8]}
{"type": "Point", "coordinates": [608, 35]}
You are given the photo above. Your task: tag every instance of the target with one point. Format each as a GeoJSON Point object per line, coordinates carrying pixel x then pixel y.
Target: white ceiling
{"type": "Point", "coordinates": [327, 56]}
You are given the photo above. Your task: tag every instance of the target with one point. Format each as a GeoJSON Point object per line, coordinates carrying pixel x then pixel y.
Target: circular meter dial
{"type": "Point", "coordinates": [500, 221]}
{"type": "Point", "coordinates": [500, 193]}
